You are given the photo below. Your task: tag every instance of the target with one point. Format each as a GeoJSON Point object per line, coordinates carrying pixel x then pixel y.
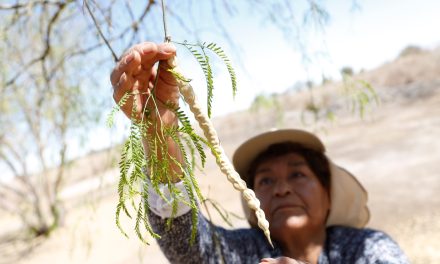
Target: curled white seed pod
{"type": "Point", "coordinates": [221, 159]}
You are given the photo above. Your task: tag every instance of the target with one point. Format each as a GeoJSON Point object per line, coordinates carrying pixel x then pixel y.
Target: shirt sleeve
{"type": "Point", "coordinates": [211, 244]}
{"type": "Point", "coordinates": [379, 248]}
{"type": "Point", "coordinates": [360, 246]}
{"type": "Point", "coordinates": [164, 207]}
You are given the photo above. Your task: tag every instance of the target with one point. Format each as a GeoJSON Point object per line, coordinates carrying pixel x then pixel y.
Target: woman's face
{"type": "Point", "coordinates": [291, 195]}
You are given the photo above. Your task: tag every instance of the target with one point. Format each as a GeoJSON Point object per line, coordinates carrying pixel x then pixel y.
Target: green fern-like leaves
{"type": "Point", "coordinates": [207, 71]}
{"type": "Point", "coordinates": [199, 52]}
{"type": "Point", "coordinates": [134, 160]}
{"type": "Point", "coordinates": [149, 132]}
{"type": "Point", "coordinates": [131, 178]}
{"type": "Point", "coordinates": [219, 51]}
{"type": "Point", "coordinates": [116, 108]}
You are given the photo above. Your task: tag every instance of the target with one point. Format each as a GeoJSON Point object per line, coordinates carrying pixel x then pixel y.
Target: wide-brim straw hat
{"type": "Point", "coordinates": [348, 196]}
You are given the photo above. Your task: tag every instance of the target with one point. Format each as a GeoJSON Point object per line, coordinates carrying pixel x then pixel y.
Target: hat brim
{"type": "Point", "coordinates": [348, 196]}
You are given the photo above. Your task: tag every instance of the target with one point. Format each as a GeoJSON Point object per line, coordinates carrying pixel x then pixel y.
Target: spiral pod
{"type": "Point", "coordinates": [222, 160]}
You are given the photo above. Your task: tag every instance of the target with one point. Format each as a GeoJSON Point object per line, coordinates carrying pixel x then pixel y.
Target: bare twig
{"type": "Point", "coordinates": [12, 190]}
{"type": "Point", "coordinates": [47, 46]}
{"type": "Point", "coordinates": [26, 5]}
{"type": "Point", "coordinates": [115, 57]}
{"type": "Point", "coordinates": [146, 10]}
{"type": "Point", "coordinates": [164, 21]}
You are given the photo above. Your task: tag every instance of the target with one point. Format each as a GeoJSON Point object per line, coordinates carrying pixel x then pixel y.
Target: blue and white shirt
{"type": "Point", "coordinates": [215, 244]}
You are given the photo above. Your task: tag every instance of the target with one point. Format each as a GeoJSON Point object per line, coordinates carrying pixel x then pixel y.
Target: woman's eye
{"type": "Point", "coordinates": [297, 175]}
{"type": "Point", "coordinates": [265, 181]}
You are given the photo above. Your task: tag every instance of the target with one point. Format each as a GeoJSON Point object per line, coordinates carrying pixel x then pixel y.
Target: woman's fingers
{"type": "Point", "coordinates": [123, 85]}
{"type": "Point", "coordinates": [166, 51]}
{"type": "Point", "coordinates": [143, 55]}
{"type": "Point", "coordinates": [135, 74]}
{"type": "Point", "coordinates": [127, 64]}
{"type": "Point", "coordinates": [138, 62]}
{"type": "Point", "coordinates": [151, 53]}
{"type": "Point", "coordinates": [167, 91]}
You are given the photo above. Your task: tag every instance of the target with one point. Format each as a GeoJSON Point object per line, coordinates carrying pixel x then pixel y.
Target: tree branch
{"type": "Point", "coordinates": [26, 5]}
{"type": "Point", "coordinates": [9, 189]}
{"type": "Point", "coordinates": [47, 44]}
{"type": "Point", "coordinates": [107, 43]}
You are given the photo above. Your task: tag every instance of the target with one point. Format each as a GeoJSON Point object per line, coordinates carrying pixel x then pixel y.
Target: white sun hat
{"type": "Point", "coordinates": [348, 197]}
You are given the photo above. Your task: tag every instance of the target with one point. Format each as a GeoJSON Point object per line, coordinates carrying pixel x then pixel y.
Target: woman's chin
{"type": "Point", "coordinates": [296, 221]}
{"type": "Point", "coordinates": [290, 222]}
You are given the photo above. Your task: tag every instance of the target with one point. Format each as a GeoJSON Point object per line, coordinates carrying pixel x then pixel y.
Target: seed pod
{"type": "Point", "coordinates": [221, 159]}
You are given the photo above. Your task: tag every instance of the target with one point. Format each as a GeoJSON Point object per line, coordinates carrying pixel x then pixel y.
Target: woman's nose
{"type": "Point", "coordinates": [282, 188]}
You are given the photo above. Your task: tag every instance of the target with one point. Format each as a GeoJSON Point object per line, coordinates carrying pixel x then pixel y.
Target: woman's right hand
{"type": "Point", "coordinates": [134, 73]}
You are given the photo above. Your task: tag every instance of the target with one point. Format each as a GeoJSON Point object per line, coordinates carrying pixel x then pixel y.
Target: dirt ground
{"type": "Point", "coordinates": [394, 152]}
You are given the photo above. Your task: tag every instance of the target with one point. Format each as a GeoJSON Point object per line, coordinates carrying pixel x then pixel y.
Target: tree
{"type": "Point", "coordinates": [55, 51]}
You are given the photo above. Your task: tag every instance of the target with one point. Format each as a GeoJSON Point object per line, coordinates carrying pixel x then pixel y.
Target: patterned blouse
{"type": "Point", "coordinates": [215, 244]}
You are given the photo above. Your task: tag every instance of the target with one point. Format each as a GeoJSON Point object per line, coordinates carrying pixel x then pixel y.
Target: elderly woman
{"type": "Point", "coordinates": [316, 210]}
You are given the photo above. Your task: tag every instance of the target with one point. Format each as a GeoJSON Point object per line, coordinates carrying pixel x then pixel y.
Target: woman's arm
{"type": "Point", "coordinates": [353, 245]}
{"type": "Point", "coordinates": [212, 244]}
{"type": "Point", "coordinates": [379, 248]}
{"type": "Point", "coordinates": [135, 74]}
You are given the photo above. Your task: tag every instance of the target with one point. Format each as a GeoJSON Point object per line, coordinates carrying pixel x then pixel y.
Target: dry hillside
{"type": "Point", "coordinates": [394, 151]}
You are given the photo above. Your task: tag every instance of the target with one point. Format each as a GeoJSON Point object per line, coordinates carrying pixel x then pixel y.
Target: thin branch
{"type": "Point", "coordinates": [164, 21]}
{"type": "Point", "coordinates": [26, 5]}
{"type": "Point", "coordinates": [130, 12]}
{"type": "Point", "coordinates": [9, 189]}
{"type": "Point", "coordinates": [115, 57]}
{"type": "Point", "coordinates": [8, 207]}
{"type": "Point", "coordinates": [146, 10]}
{"type": "Point", "coordinates": [63, 126]}
{"type": "Point", "coordinates": [47, 45]}
{"type": "Point", "coordinates": [21, 176]}
{"type": "Point", "coordinates": [135, 25]}
{"type": "Point", "coordinates": [8, 163]}
{"type": "Point", "coordinates": [71, 55]}
{"type": "Point", "coordinates": [13, 209]}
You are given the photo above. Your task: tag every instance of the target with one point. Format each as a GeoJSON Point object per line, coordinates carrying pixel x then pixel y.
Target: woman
{"type": "Point", "coordinates": [316, 210]}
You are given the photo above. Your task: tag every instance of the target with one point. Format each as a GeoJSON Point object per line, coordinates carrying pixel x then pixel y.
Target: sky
{"type": "Point", "coordinates": [363, 38]}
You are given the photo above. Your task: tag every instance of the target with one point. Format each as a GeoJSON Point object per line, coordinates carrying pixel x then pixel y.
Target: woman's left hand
{"type": "Point", "coordinates": [280, 260]}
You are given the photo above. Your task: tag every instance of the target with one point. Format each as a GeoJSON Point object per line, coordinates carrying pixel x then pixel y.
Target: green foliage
{"type": "Point", "coordinates": [225, 215]}
{"type": "Point", "coordinates": [157, 161]}
{"type": "Point", "coordinates": [217, 50]}
{"type": "Point", "coordinates": [264, 102]}
{"type": "Point", "coordinates": [187, 129]}
{"type": "Point", "coordinates": [347, 71]}
{"type": "Point", "coordinates": [199, 52]}
{"type": "Point", "coordinates": [207, 71]}
{"type": "Point", "coordinates": [116, 108]}
{"type": "Point", "coordinates": [410, 50]}
{"type": "Point", "coordinates": [317, 112]}
{"type": "Point", "coordinates": [361, 95]}
{"type": "Point", "coordinates": [358, 95]}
